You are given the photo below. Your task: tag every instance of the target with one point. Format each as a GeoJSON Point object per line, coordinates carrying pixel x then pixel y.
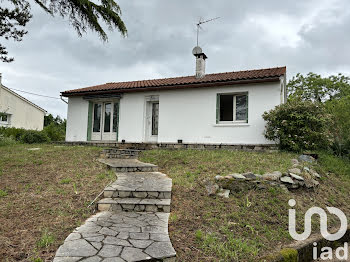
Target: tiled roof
{"type": "Point", "coordinates": [175, 82]}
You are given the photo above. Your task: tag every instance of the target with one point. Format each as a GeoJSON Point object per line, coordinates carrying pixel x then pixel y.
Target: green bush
{"type": "Point", "coordinates": [55, 132]}
{"type": "Point", "coordinates": [33, 136]}
{"type": "Point", "coordinates": [340, 112]}
{"type": "Point", "coordinates": [12, 132]}
{"type": "Point", "coordinates": [298, 125]}
{"type": "Point", "coordinates": [6, 141]}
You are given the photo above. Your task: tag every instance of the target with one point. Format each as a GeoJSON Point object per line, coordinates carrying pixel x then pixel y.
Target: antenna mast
{"type": "Point", "coordinates": [203, 22]}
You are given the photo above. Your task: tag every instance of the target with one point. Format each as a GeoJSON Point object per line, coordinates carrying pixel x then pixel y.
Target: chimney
{"type": "Point", "coordinates": [200, 61]}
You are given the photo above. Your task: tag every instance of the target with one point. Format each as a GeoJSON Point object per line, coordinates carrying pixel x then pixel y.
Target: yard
{"type": "Point", "coordinates": [44, 195]}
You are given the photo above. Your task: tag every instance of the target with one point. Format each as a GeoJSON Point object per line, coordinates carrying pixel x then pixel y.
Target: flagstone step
{"type": "Point", "coordinates": [120, 153]}
{"type": "Point", "coordinates": [122, 236]}
{"type": "Point", "coordinates": [134, 204]}
{"type": "Point", "coordinates": [150, 185]}
{"type": "Point", "coordinates": [128, 165]}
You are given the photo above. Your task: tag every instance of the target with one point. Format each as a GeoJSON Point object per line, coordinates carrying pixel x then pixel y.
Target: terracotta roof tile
{"type": "Point", "coordinates": [167, 83]}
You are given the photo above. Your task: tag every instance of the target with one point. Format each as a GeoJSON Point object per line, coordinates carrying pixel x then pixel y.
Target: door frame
{"type": "Point", "coordinates": [98, 136]}
{"type": "Point", "coordinates": [149, 101]}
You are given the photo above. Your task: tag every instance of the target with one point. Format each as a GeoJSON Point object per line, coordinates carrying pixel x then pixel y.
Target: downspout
{"type": "Point", "coordinates": [63, 99]}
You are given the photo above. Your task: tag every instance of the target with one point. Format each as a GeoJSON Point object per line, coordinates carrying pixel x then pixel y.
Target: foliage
{"type": "Point", "coordinates": [313, 87]}
{"type": "Point", "coordinates": [298, 125]}
{"type": "Point", "coordinates": [333, 164]}
{"type": "Point", "coordinates": [46, 239]}
{"type": "Point", "coordinates": [340, 112]}
{"type": "Point", "coordinates": [55, 127]}
{"type": "Point", "coordinates": [52, 132]}
{"type": "Point", "coordinates": [82, 14]}
{"type": "Point", "coordinates": [12, 23]}
{"type": "Point", "coordinates": [12, 132]}
{"type": "Point", "coordinates": [50, 119]}
{"type": "Point", "coordinates": [33, 136]}
{"type": "Point", "coordinates": [6, 141]}
{"type": "Point", "coordinates": [55, 132]}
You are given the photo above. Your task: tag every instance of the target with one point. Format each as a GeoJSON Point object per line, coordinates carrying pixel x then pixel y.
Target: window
{"type": "Point", "coordinates": [115, 117]}
{"type": "Point", "coordinates": [4, 118]}
{"type": "Point", "coordinates": [155, 115]}
{"type": "Point", "coordinates": [108, 112]}
{"type": "Point", "coordinates": [97, 118]}
{"type": "Point", "coordinates": [233, 108]}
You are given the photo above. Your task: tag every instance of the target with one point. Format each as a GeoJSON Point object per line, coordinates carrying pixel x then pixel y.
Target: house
{"type": "Point", "coordinates": [223, 108]}
{"type": "Point", "coordinates": [16, 111]}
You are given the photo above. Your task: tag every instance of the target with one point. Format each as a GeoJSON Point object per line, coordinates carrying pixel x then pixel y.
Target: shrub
{"type": "Point", "coordinates": [340, 112]}
{"type": "Point", "coordinates": [298, 125]}
{"type": "Point", "coordinates": [12, 132]}
{"type": "Point", "coordinates": [55, 132]}
{"type": "Point", "coordinates": [33, 136]}
{"type": "Point", "coordinates": [6, 141]}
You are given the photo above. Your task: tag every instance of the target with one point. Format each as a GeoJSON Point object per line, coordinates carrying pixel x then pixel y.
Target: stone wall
{"type": "Point", "coordinates": [147, 146]}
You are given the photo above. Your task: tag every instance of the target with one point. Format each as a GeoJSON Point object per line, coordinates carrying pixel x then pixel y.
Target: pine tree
{"type": "Point", "coordinates": [82, 14]}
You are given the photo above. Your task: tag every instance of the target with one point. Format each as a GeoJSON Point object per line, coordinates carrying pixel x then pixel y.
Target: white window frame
{"type": "Point", "coordinates": [7, 122]}
{"type": "Point", "coordinates": [234, 108]}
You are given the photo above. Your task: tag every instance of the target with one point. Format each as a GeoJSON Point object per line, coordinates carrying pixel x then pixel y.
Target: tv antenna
{"type": "Point", "coordinates": [203, 22]}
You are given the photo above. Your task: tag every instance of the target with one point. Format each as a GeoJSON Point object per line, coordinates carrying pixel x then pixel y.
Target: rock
{"type": "Point", "coordinates": [224, 193]}
{"type": "Point", "coordinates": [287, 179]}
{"type": "Point", "coordinates": [296, 177]}
{"type": "Point", "coordinates": [277, 173]}
{"type": "Point", "coordinates": [306, 158]}
{"type": "Point", "coordinates": [271, 176]}
{"type": "Point", "coordinates": [295, 161]}
{"type": "Point", "coordinates": [296, 171]}
{"type": "Point", "coordinates": [258, 176]}
{"type": "Point", "coordinates": [237, 176]}
{"type": "Point", "coordinates": [284, 188]}
{"type": "Point", "coordinates": [314, 173]}
{"type": "Point", "coordinates": [218, 178]}
{"type": "Point", "coordinates": [314, 182]}
{"type": "Point", "coordinates": [227, 177]}
{"type": "Point", "coordinates": [306, 169]}
{"type": "Point", "coordinates": [211, 188]}
{"type": "Point", "coordinates": [249, 175]}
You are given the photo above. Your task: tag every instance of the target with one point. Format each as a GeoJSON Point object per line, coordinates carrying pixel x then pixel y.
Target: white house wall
{"type": "Point", "coordinates": [187, 114]}
{"type": "Point", "coordinates": [77, 119]}
{"type": "Point", "coordinates": [22, 113]}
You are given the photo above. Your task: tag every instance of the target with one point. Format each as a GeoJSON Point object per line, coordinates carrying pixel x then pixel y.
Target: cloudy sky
{"type": "Point", "coordinates": [302, 35]}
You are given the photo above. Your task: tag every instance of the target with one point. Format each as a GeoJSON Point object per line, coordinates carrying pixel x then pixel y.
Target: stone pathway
{"type": "Point", "coordinates": [132, 224]}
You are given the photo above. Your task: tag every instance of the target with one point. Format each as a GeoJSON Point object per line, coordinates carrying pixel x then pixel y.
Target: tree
{"type": "Point", "coordinates": [12, 23]}
{"type": "Point", "coordinates": [82, 14]}
{"type": "Point", "coordinates": [315, 88]}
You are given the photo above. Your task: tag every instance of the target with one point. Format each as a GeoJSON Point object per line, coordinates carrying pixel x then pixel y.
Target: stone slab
{"type": "Point", "coordinates": [142, 182]}
{"type": "Point", "coordinates": [126, 236]}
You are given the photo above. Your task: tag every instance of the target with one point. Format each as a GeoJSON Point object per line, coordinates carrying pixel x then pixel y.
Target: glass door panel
{"type": "Point", "coordinates": [96, 122]}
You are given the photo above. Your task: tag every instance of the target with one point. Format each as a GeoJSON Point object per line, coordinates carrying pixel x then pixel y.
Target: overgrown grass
{"type": "Point", "coordinates": [186, 166]}
{"type": "Point", "coordinates": [249, 224]}
{"type": "Point", "coordinates": [46, 239]}
{"type": "Point", "coordinates": [44, 195]}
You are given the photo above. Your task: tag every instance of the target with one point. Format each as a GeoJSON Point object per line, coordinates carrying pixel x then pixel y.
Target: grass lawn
{"type": "Point", "coordinates": [44, 195]}
{"type": "Point", "coordinates": [250, 224]}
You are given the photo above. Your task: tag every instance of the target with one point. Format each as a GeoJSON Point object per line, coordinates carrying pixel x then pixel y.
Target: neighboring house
{"type": "Point", "coordinates": [16, 111]}
{"type": "Point", "coordinates": [224, 108]}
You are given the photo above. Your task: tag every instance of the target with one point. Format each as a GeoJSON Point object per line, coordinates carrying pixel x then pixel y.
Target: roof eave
{"type": "Point", "coordinates": [179, 86]}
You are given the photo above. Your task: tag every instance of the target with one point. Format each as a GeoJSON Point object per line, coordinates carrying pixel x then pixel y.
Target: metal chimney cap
{"type": "Point", "coordinates": [197, 51]}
